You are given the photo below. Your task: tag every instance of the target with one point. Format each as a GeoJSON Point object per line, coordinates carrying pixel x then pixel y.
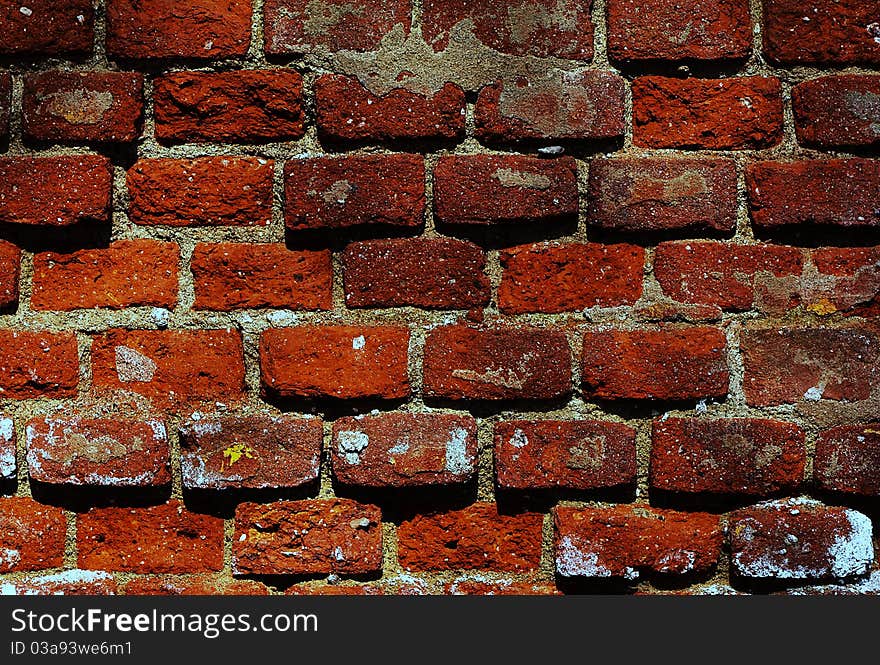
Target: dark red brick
{"type": "Point", "coordinates": [70, 582]}
{"type": "Point", "coordinates": [848, 459]}
{"type": "Point", "coordinates": [838, 111]}
{"type": "Point", "coordinates": [193, 585]}
{"type": "Point", "coordinates": [319, 536]}
{"type": "Point", "coordinates": [404, 450]}
{"type": "Point", "coordinates": [31, 535]}
{"type": "Point", "coordinates": [719, 114]}
{"type": "Point", "coordinates": [10, 270]}
{"type": "Point", "coordinates": [8, 464]}
{"type": "Point", "coordinates": [847, 280]}
{"type": "Point", "coordinates": [38, 364]}
{"type": "Point", "coordinates": [47, 27]}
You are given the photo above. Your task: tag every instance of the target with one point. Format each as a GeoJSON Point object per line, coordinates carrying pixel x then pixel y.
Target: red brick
{"type": "Point", "coordinates": [476, 537]}
{"type": "Point", "coordinates": [298, 26]}
{"type": "Point", "coordinates": [708, 30]}
{"type": "Point", "coordinates": [8, 464]}
{"type": "Point", "coordinates": [31, 535]}
{"type": "Point", "coordinates": [247, 106]}
{"type": "Point", "coordinates": [193, 585]}
{"type": "Point", "coordinates": [240, 276]}
{"type": "Point", "coordinates": [404, 450]}
{"type": "Point", "coordinates": [788, 365]}
{"type": "Point", "coordinates": [626, 541]}
{"type": "Point", "coordinates": [10, 270]}
{"type": "Point", "coordinates": [719, 114]}
{"type": "Point", "coordinates": [799, 539]}
{"type": "Point", "coordinates": [492, 189]}
{"type": "Point", "coordinates": [658, 194]}
{"type": "Point", "coordinates": [733, 277]}
{"type": "Point", "coordinates": [333, 193]}
{"type": "Point", "coordinates": [500, 587]}
{"type": "Point", "coordinates": [49, 27]}
{"type": "Point", "coordinates": [539, 28]}
{"type": "Point", "coordinates": [547, 454]}
{"type": "Point", "coordinates": [128, 273]}
{"type": "Point", "coordinates": [553, 277]}
{"type": "Point", "coordinates": [70, 582]}
{"type": "Point", "coordinates": [5, 103]}
{"type": "Point", "coordinates": [826, 192]}
{"type": "Point", "coordinates": [250, 452]}
{"type": "Point", "coordinates": [347, 111]}
{"type": "Point", "coordinates": [749, 456]}
{"type": "Point", "coordinates": [345, 362]}
{"type": "Point", "coordinates": [848, 459]}
{"type": "Point", "coordinates": [847, 280]}
{"type": "Point", "coordinates": [38, 364]}
{"type": "Point", "coordinates": [464, 363]}
{"type": "Point", "coordinates": [170, 367]}
{"type": "Point", "coordinates": [434, 273]}
{"type": "Point", "coordinates": [198, 29]}
{"type": "Point", "coordinates": [55, 191]}
{"type": "Point", "coordinates": [82, 106]}
{"type": "Point", "coordinates": [584, 107]}
{"type": "Point", "coordinates": [319, 536]}
{"type": "Point", "coordinates": [208, 191]}
{"type": "Point", "coordinates": [159, 539]}
{"type": "Point", "coordinates": [821, 32]}
{"type": "Point", "coordinates": [838, 111]}
{"type": "Point", "coordinates": [665, 363]}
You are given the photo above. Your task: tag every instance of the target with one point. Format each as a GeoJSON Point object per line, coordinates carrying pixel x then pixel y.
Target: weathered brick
{"type": "Point", "coordinates": [404, 450]}
{"type": "Point", "coordinates": [666, 363]}
{"type": "Point", "coordinates": [38, 364]}
{"type": "Point", "coordinates": [193, 585]}
{"type": "Point", "coordinates": [240, 276]}
{"type": "Point", "coordinates": [347, 111]}
{"type": "Point", "coordinates": [299, 26]}
{"type": "Point", "coordinates": [547, 454]}
{"type": "Point", "coordinates": [55, 191]}
{"type": "Point", "coordinates": [539, 28]}
{"type": "Point", "coordinates": [626, 541]}
{"type": "Point", "coordinates": [821, 32]}
{"type": "Point", "coordinates": [848, 459]}
{"type": "Point", "coordinates": [247, 106]}
{"type": "Point", "coordinates": [492, 189]}
{"type": "Point", "coordinates": [197, 29]}
{"type": "Point", "coordinates": [344, 362]}
{"type": "Point", "coordinates": [749, 456]}
{"type": "Point", "coordinates": [208, 191]}
{"type": "Point", "coordinates": [847, 280]}
{"type": "Point", "coordinates": [8, 464]}
{"type": "Point", "coordinates": [788, 365]}
{"type": "Point", "coordinates": [824, 192]}
{"type": "Point", "coordinates": [47, 27]}
{"type": "Point", "coordinates": [5, 103]}
{"type": "Point", "coordinates": [477, 537]}
{"type": "Point", "coordinates": [434, 273]}
{"type": "Point", "coordinates": [87, 451]}
{"type": "Point", "coordinates": [158, 539]}
{"type": "Point", "coordinates": [838, 111]}
{"type": "Point", "coordinates": [799, 539]}
{"type": "Point", "coordinates": [82, 106]}
{"type": "Point", "coordinates": [128, 273]}
{"type": "Point", "coordinates": [10, 270]}
{"type": "Point", "coordinates": [637, 195]}
{"type": "Point", "coordinates": [71, 582]}
{"type": "Point", "coordinates": [170, 367]}
{"type": "Point", "coordinates": [465, 586]}
{"type": "Point", "coordinates": [463, 363]}
{"type": "Point", "coordinates": [250, 452]}
{"type": "Point", "coordinates": [553, 277]}
{"type": "Point", "coordinates": [307, 537]}
{"type": "Point", "coordinates": [31, 535]}
{"type": "Point", "coordinates": [707, 30]}
{"type": "Point", "coordinates": [719, 114]}
{"type": "Point", "coordinates": [584, 107]}
{"type": "Point", "coordinates": [733, 277]}
{"type": "Point", "coordinates": [333, 193]}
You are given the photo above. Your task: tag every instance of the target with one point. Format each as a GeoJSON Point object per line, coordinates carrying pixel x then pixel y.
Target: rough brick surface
{"type": "Point", "coordinates": [838, 111]}
{"type": "Point", "coordinates": [48, 27]}
{"type": "Point", "coordinates": [581, 454]}
{"type": "Point", "coordinates": [8, 463]}
{"type": "Point", "coordinates": [749, 456]}
{"type": "Point", "coordinates": [720, 114]}
{"type": "Point", "coordinates": [404, 450]}
{"type": "Point", "coordinates": [87, 451]}
{"type": "Point", "coordinates": [34, 364]}
{"type": "Point", "coordinates": [10, 271]}
{"type": "Point", "coordinates": [31, 535]}
{"type": "Point", "coordinates": [231, 276]}
{"type": "Point", "coordinates": [82, 106]}
{"type": "Point", "coordinates": [848, 281]}
{"type": "Point", "coordinates": [158, 539]}
{"type": "Point", "coordinates": [246, 106]}
{"type": "Point", "coordinates": [250, 452]}
{"type": "Point", "coordinates": [848, 459]}
{"type": "Point", "coordinates": [625, 541]}
{"type": "Point", "coordinates": [70, 582]}
{"type": "Point", "coordinates": [659, 364]}
{"type": "Point", "coordinates": [304, 537]}
{"type": "Point", "coordinates": [437, 273]}
{"type": "Point", "coordinates": [476, 537]}
{"type": "Point", "coordinates": [55, 191]}
{"type": "Point", "coordinates": [343, 362]}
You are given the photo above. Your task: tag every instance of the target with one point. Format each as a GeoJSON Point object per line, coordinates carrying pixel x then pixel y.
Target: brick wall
{"type": "Point", "coordinates": [439, 297]}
